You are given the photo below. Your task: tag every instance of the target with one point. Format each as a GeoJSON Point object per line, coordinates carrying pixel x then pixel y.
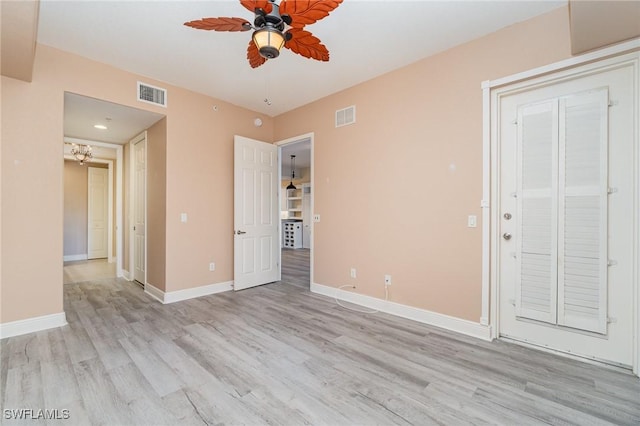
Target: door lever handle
{"type": "Point", "coordinates": [240, 232]}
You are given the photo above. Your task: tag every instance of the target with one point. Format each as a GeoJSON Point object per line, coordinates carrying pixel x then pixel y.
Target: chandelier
{"type": "Point", "coordinates": [81, 152]}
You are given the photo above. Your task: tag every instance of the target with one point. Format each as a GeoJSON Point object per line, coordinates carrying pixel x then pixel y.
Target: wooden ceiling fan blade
{"type": "Point", "coordinates": [254, 57]}
{"type": "Point", "coordinates": [252, 5]}
{"type": "Point", "coordinates": [306, 44]}
{"type": "Point", "coordinates": [220, 24]}
{"type": "Point", "coordinates": [305, 12]}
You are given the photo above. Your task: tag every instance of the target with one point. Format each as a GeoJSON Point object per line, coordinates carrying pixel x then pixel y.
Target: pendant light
{"type": "Point", "coordinates": [293, 172]}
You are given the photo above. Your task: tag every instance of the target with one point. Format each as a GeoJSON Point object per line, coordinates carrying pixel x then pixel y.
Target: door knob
{"type": "Point", "coordinates": [506, 236]}
{"type": "Point", "coordinates": [240, 232]}
{"type": "Point", "coordinates": [507, 216]}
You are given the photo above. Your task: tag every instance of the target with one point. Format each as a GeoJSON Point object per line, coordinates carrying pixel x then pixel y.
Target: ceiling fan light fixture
{"type": "Point", "coordinates": [269, 41]}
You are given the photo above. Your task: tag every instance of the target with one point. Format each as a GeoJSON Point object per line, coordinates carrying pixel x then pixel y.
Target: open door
{"type": "Point", "coordinates": [256, 214]}
{"type": "Point", "coordinates": [139, 175]}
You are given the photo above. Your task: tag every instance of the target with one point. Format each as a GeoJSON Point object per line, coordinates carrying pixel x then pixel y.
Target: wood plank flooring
{"type": "Point", "coordinates": [280, 355]}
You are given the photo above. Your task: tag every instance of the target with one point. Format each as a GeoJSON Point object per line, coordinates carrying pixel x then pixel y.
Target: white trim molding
{"type": "Point", "coordinates": [189, 293]}
{"type": "Point", "coordinates": [424, 316]}
{"type": "Point", "coordinates": [31, 325]}
{"type": "Point", "coordinates": [74, 257]}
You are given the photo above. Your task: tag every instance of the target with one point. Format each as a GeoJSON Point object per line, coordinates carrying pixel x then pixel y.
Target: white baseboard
{"type": "Point", "coordinates": [74, 257]}
{"type": "Point", "coordinates": [447, 322]}
{"type": "Point", "coordinates": [189, 293]}
{"type": "Point", "coordinates": [123, 273]}
{"type": "Point", "coordinates": [31, 325]}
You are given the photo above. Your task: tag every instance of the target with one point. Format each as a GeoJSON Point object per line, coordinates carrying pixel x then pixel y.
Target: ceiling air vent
{"type": "Point", "coordinates": [151, 94]}
{"type": "Point", "coordinates": [346, 116]}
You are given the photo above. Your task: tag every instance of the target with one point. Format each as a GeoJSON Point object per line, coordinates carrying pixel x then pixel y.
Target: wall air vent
{"type": "Point", "coordinates": [152, 95]}
{"type": "Point", "coordinates": [346, 116]}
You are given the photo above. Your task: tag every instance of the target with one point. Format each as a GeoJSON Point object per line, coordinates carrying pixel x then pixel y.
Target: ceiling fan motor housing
{"type": "Point", "coordinates": [271, 25]}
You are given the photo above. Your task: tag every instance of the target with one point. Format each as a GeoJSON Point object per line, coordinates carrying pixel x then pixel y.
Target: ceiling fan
{"type": "Point", "coordinates": [269, 25]}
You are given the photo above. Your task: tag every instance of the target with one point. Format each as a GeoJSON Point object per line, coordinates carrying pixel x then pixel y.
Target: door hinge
{"type": "Point", "coordinates": [612, 190]}
{"type": "Point", "coordinates": [612, 262]}
{"type": "Point", "coordinates": [612, 103]}
{"type": "Point", "coordinates": [612, 320]}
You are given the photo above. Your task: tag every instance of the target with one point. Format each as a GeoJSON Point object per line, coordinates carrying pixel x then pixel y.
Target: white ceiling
{"type": "Point", "coordinates": [365, 38]}
{"type": "Point", "coordinates": [302, 151]}
{"type": "Point", "coordinates": [123, 123]}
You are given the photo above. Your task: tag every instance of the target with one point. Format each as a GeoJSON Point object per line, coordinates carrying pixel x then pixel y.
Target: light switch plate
{"type": "Point", "coordinates": [183, 217]}
{"type": "Point", "coordinates": [472, 221]}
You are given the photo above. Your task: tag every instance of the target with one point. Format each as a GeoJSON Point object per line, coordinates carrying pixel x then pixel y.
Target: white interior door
{"type": "Point", "coordinates": [139, 209]}
{"type": "Point", "coordinates": [256, 214]}
{"type": "Point", "coordinates": [566, 202]}
{"type": "Point", "coordinates": [97, 212]}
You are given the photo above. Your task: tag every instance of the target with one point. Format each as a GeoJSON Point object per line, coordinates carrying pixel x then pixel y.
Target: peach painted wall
{"type": "Point", "coordinates": [32, 179]}
{"type": "Point", "coordinates": [156, 203]}
{"type": "Point", "coordinates": [200, 183]}
{"type": "Point", "coordinates": [394, 189]}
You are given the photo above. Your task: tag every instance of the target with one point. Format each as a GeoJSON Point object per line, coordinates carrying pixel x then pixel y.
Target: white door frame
{"type": "Point", "coordinates": [280, 144]}
{"type": "Point", "coordinates": [131, 143]}
{"type": "Point", "coordinates": [492, 91]}
{"type": "Point", "coordinates": [118, 196]}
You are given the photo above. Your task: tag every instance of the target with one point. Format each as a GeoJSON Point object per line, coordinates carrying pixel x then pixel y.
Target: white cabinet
{"type": "Point", "coordinates": [294, 203]}
{"type": "Point", "coordinates": [292, 235]}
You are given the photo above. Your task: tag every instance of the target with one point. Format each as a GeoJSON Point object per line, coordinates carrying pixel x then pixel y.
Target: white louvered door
{"type": "Point", "coordinates": [562, 211]}
{"type": "Point", "coordinates": [582, 203]}
{"type": "Point", "coordinates": [537, 211]}
{"type": "Point", "coordinates": [566, 222]}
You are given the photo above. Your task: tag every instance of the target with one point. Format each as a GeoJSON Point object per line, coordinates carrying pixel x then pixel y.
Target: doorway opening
{"type": "Point", "coordinates": [108, 128]}
{"type": "Point", "coordinates": [90, 219]}
{"type": "Point", "coordinates": [296, 209]}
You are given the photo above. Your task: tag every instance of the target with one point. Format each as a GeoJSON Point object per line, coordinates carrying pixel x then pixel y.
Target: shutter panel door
{"type": "Point", "coordinates": [582, 261]}
{"type": "Point", "coordinates": [537, 206]}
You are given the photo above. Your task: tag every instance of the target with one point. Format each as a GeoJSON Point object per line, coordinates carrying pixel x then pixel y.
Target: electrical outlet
{"type": "Point", "coordinates": [387, 280]}
{"type": "Point", "coordinates": [212, 266]}
{"type": "Point", "coordinates": [353, 272]}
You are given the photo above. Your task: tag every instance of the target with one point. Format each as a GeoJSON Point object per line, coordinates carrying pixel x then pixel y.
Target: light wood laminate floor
{"type": "Point", "coordinates": [280, 355]}
{"type": "Point", "coordinates": [86, 270]}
